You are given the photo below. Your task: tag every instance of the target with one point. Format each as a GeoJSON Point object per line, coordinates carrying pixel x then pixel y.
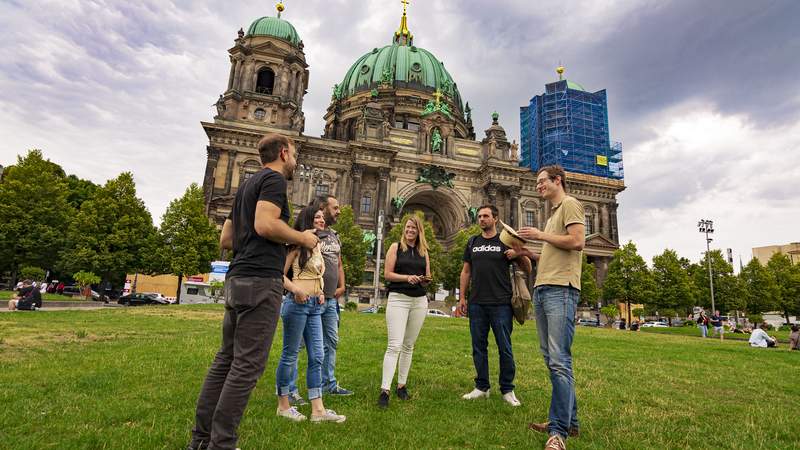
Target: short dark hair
{"type": "Point", "coordinates": [270, 146]}
{"type": "Point", "coordinates": [321, 202]}
{"type": "Point", "coordinates": [553, 171]}
{"type": "Point", "coordinates": [492, 208]}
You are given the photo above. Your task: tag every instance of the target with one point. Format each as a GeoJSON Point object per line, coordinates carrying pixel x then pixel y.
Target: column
{"type": "Point", "coordinates": [339, 193]}
{"type": "Point", "coordinates": [491, 193]}
{"type": "Point", "coordinates": [513, 192]}
{"type": "Point", "coordinates": [208, 178]}
{"type": "Point", "coordinates": [383, 187]}
{"type": "Point", "coordinates": [355, 193]}
{"type": "Point", "coordinates": [237, 83]}
{"type": "Point", "coordinates": [605, 228]}
{"type": "Point", "coordinates": [229, 173]}
{"type": "Point", "coordinates": [232, 74]}
{"type": "Point", "coordinates": [613, 222]}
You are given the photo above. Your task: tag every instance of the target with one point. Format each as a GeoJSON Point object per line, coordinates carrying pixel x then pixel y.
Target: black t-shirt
{"type": "Point", "coordinates": [489, 271]}
{"type": "Point", "coordinates": [716, 321]}
{"type": "Point", "coordinates": [255, 256]}
{"type": "Point", "coordinates": [408, 262]}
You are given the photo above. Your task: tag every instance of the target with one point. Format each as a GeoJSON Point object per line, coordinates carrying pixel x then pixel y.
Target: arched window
{"type": "Point", "coordinates": [588, 215]}
{"type": "Point", "coordinates": [366, 204]}
{"type": "Point", "coordinates": [265, 81]}
{"type": "Point", "coordinates": [530, 218]}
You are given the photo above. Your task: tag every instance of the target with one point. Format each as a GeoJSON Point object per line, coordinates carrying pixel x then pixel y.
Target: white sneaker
{"type": "Point", "coordinates": [329, 416]}
{"type": "Point", "coordinates": [292, 414]}
{"type": "Point", "coordinates": [476, 393]}
{"type": "Point", "coordinates": [511, 399]}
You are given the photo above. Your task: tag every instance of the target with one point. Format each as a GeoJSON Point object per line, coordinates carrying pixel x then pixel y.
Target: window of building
{"type": "Point", "coordinates": [246, 176]}
{"type": "Point", "coordinates": [321, 189]}
{"type": "Point", "coordinates": [366, 204]}
{"type": "Point", "coordinates": [259, 113]}
{"type": "Point", "coordinates": [413, 126]}
{"type": "Point", "coordinates": [589, 220]}
{"type": "Point", "coordinates": [530, 218]}
{"type": "Point", "coordinates": [265, 81]}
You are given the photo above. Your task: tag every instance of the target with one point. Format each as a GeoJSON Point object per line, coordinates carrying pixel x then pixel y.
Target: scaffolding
{"type": "Point", "coordinates": [569, 126]}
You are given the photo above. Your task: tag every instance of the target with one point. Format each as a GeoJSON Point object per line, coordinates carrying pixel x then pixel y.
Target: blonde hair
{"type": "Point", "coordinates": [422, 244]}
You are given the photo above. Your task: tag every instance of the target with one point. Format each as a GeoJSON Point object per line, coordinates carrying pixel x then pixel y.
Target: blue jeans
{"type": "Point", "coordinates": [301, 322]}
{"type": "Point", "coordinates": [330, 340]}
{"type": "Point", "coordinates": [555, 308]}
{"type": "Point", "coordinates": [703, 330]}
{"type": "Point", "coordinates": [500, 319]}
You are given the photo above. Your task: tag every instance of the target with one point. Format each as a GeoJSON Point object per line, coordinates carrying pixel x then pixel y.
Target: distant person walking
{"type": "Point", "coordinates": [794, 338]}
{"type": "Point", "coordinates": [408, 271]}
{"type": "Point", "coordinates": [556, 295]}
{"type": "Point", "coordinates": [716, 322]}
{"type": "Point", "coordinates": [702, 323]}
{"type": "Point", "coordinates": [256, 231]}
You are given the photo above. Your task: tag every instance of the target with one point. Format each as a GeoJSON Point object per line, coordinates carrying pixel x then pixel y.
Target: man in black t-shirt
{"type": "Point", "coordinates": [257, 231]}
{"type": "Point", "coordinates": [486, 273]}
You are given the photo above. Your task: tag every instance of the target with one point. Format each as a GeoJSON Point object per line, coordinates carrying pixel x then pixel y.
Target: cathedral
{"type": "Point", "coordinates": [398, 138]}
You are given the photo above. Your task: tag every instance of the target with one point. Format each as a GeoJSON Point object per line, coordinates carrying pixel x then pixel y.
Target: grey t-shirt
{"type": "Point", "coordinates": [331, 249]}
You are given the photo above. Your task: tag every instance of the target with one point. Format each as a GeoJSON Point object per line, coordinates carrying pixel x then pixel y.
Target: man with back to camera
{"type": "Point", "coordinates": [556, 296]}
{"type": "Point", "coordinates": [486, 272]}
{"type": "Point", "coordinates": [256, 231]}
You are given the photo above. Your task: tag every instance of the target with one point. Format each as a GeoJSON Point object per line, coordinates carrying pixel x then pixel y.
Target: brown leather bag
{"type": "Point", "coordinates": [521, 295]}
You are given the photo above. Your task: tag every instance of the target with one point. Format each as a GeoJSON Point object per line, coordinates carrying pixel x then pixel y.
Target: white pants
{"type": "Point", "coordinates": [404, 317]}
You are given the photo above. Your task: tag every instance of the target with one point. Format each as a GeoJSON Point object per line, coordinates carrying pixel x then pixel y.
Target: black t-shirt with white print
{"type": "Point", "coordinates": [489, 271]}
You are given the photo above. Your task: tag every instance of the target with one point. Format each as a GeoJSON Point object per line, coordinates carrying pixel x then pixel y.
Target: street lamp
{"type": "Point", "coordinates": [707, 227]}
{"type": "Point", "coordinates": [308, 174]}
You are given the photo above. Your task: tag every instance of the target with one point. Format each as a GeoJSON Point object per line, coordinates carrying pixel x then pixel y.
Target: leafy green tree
{"type": "Point", "coordinates": [673, 288]}
{"type": "Point", "coordinates": [453, 261]}
{"type": "Point", "coordinates": [611, 312]}
{"type": "Point", "coordinates": [33, 213]}
{"type": "Point", "coordinates": [32, 273]}
{"type": "Point", "coordinates": [190, 240]}
{"type": "Point", "coordinates": [787, 278]}
{"type": "Point", "coordinates": [628, 278]}
{"type": "Point", "coordinates": [436, 253]}
{"type": "Point", "coordinates": [80, 190]}
{"type": "Point", "coordinates": [759, 288]}
{"type": "Point", "coordinates": [354, 249]}
{"type": "Point", "coordinates": [85, 280]}
{"type": "Point", "coordinates": [589, 291]}
{"type": "Point", "coordinates": [111, 233]}
{"type": "Point", "coordinates": [726, 289]}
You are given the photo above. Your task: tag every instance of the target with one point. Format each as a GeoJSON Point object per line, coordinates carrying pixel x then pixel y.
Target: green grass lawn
{"type": "Point", "coordinates": [128, 378]}
{"type": "Point", "coordinates": [693, 331]}
{"type": "Point", "coordinates": [8, 295]}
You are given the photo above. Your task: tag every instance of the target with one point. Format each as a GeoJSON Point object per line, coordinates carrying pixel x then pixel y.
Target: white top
{"type": "Point", "coordinates": [759, 338]}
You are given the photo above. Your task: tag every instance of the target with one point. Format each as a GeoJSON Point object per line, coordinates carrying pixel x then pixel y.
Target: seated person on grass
{"type": "Point", "coordinates": [760, 338]}
{"type": "Point", "coordinates": [29, 298]}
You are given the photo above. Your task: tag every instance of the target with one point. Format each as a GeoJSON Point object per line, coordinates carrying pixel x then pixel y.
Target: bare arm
{"type": "Point", "coordinates": [340, 288]}
{"type": "Point", "coordinates": [463, 284]}
{"type": "Point", "coordinates": [299, 295]}
{"type": "Point", "coordinates": [268, 224]}
{"type": "Point", "coordinates": [226, 236]}
{"type": "Point", "coordinates": [573, 240]}
{"type": "Point", "coordinates": [524, 263]}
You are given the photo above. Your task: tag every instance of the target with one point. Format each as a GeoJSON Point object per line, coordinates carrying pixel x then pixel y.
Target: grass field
{"type": "Point", "coordinates": [8, 295]}
{"type": "Point", "coordinates": [128, 378]}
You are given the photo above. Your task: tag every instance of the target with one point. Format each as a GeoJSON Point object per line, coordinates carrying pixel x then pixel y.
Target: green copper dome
{"type": "Point", "coordinates": [400, 66]}
{"type": "Point", "coordinates": [273, 26]}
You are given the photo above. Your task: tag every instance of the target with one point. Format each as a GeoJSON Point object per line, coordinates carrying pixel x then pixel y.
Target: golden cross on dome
{"type": "Point", "coordinates": [405, 4]}
{"type": "Point", "coordinates": [438, 96]}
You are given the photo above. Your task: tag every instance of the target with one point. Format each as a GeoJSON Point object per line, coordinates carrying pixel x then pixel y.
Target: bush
{"type": "Point", "coordinates": [32, 273]}
{"type": "Point", "coordinates": [755, 318]}
{"type": "Point", "coordinates": [351, 306]}
{"type": "Point", "coordinates": [381, 309]}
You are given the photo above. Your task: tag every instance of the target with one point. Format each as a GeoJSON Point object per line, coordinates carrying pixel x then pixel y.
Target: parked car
{"type": "Point", "coordinates": [587, 323]}
{"type": "Point", "coordinates": [654, 324]}
{"type": "Point", "coordinates": [436, 313]}
{"type": "Point", "coordinates": [142, 299]}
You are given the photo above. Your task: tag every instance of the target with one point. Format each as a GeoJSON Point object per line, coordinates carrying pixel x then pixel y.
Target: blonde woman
{"type": "Point", "coordinates": [408, 271]}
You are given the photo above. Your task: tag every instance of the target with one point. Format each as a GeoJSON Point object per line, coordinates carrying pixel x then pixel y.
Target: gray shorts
{"type": "Point", "coordinates": [719, 330]}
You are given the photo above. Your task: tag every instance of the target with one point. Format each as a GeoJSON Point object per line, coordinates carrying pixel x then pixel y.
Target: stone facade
{"type": "Point", "coordinates": [390, 146]}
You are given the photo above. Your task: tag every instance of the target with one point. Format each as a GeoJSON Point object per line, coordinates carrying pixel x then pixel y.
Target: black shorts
{"type": "Point", "coordinates": [24, 305]}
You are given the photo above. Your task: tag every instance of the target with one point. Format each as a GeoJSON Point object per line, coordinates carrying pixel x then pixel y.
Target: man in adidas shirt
{"type": "Point", "coordinates": [486, 273]}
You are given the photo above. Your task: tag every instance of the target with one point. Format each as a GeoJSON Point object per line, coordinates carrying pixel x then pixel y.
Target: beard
{"type": "Point", "coordinates": [329, 220]}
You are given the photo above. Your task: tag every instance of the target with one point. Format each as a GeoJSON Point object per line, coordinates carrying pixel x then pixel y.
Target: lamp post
{"type": "Point", "coordinates": [707, 227]}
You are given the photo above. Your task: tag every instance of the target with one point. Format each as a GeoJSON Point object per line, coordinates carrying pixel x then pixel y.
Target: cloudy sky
{"type": "Point", "coordinates": [704, 95]}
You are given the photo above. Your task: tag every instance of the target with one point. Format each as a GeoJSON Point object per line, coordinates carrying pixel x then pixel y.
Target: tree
{"type": "Point", "coordinates": [85, 280]}
{"type": "Point", "coordinates": [80, 190]}
{"type": "Point", "coordinates": [190, 240]}
{"type": "Point", "coordinates": [611, 312]}
{"type": "Point", "coordinates": [354, 249]}
{"type": "Point", "coordinates": [589, 291]}
{"type": "Point", "coordinates": [111, 233]}
{"type": "Point", "coordinates": [787, 278]}
{"type": "Point", "coordinates": [628, 278]}
{"type": "Point", "coordinates": [726, 295]}
{"type": "Point", "coordinates": [759, 288]}
{"type": "Point", "coordinates": [33, 213]}
{"type": "Point", "coordinates": [436, 253]}
{"type": "Point", "coordinates": [673, 287]}
{"type": "Point", "coordinates": [453, 261]}
{"type": "Point", "coordinates": [32, 273]}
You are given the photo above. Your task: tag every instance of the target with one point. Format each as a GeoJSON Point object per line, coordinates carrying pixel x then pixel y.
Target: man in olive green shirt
{"type": "Point", "coordinates": [556, 295]}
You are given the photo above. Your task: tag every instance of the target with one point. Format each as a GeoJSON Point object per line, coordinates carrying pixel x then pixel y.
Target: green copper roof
{"type": "Point", "coordinates": [402, 63]}
{"type": "Point", "coordinates": [574, 85]}
{"type": "Point", "coordinates": [273, 26]}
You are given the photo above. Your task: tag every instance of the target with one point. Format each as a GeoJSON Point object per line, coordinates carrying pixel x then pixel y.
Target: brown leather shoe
{"type": "Point", "coordinates": [542, 428]}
